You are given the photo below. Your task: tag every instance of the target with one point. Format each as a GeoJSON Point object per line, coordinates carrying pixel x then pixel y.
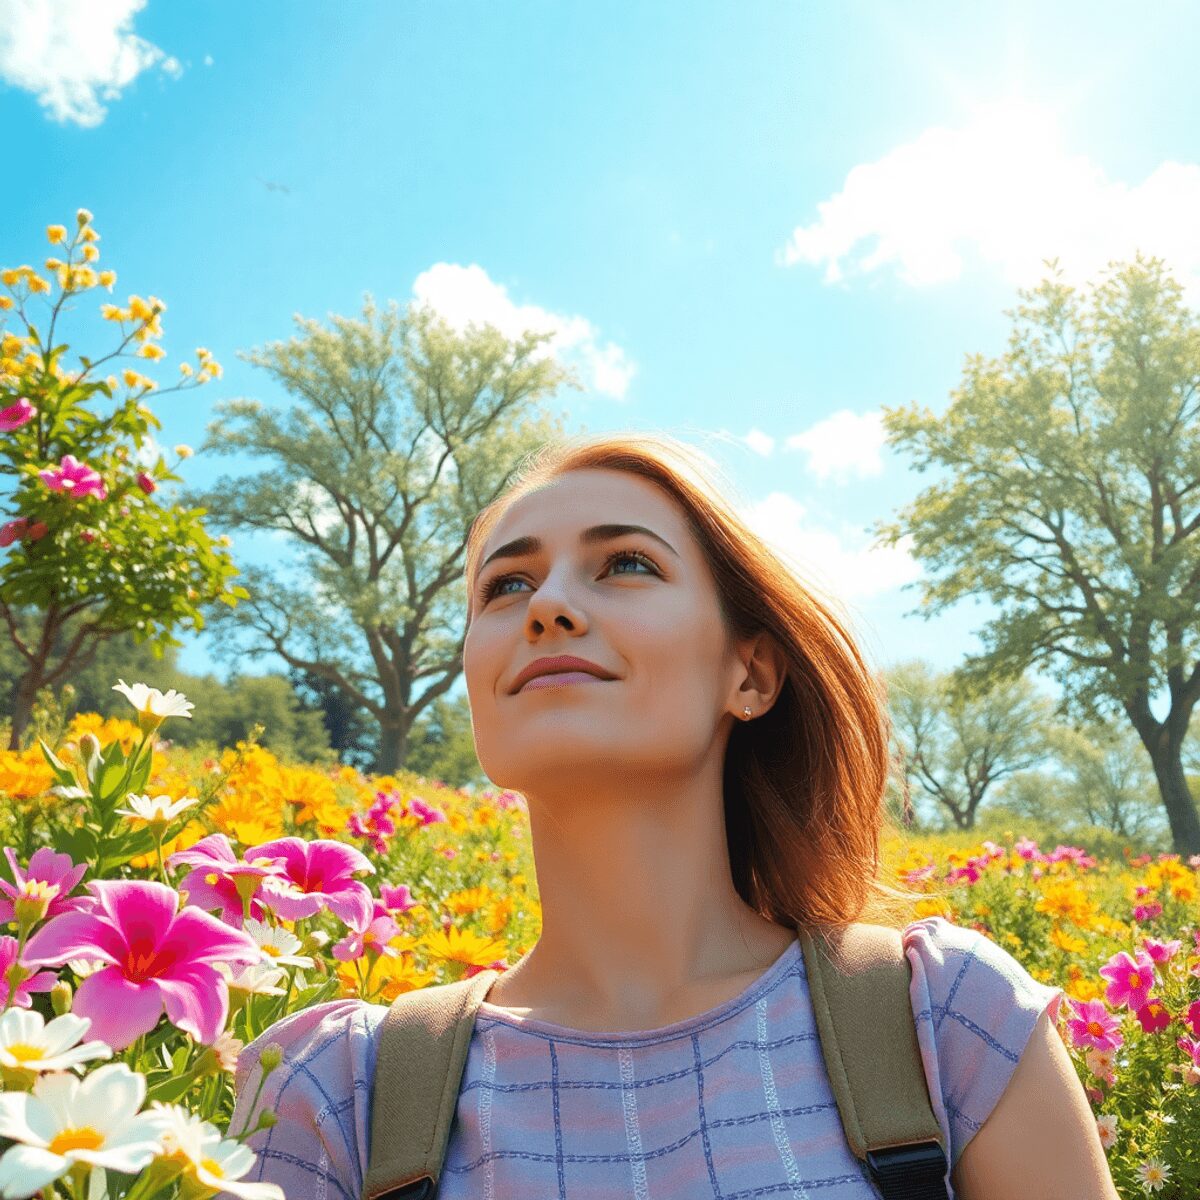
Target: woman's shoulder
{"type": "Point", "coordinates": [975, 1007]}
{"type": "Point", "coordinates": [319, 1094]}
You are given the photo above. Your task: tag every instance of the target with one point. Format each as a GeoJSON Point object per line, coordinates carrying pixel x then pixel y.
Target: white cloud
{"type": "Point", "coordinates": [843, 564]}
{"type": "Point", "coordinates": [761, 443]}
{"type": "Point", "coordinates": [463, 295]}
{"type": "Point", "coordinates": [71, 54]}
{"type": "Point", "coordinates": [1003, 187]}
{"type": "Point", "coordinates": [843, 445]}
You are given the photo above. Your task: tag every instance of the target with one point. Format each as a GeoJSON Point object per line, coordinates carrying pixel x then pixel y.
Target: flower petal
{"type": "Point", "coordinates": [75, 935]}
{"type": "Point", "coordinates": [141, 909]}
{"type": "Point", "coordinates": [120, 1010]}
{"type": "Point", "coordinates": [198, 937]}
{"type": "Point", "coordinates": [24, 1170]}
{"type": "Point", "coordinates": [197, 1000]}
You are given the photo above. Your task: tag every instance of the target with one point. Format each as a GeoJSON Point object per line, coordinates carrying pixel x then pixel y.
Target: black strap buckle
{"type": "Point", "coordinates": [916, 1171]}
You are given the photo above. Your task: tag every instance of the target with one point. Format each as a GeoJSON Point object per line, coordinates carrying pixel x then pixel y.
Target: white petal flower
{"type": "Point", "coordinates": [1107, 1126]}
{"type": "Point", "coordinates": [278, 945]}
{"type": "Point", "coordinates": [152, 705]}
{"type": "Point", "coordinates": [211, 1160]}
{"type": "Point", "coordinates": [66, 1120]}
{"type": "Point", "coordinates": [258, 979]}
{"type": "Point", "coordinates": [27, 1043]}
{"type": "Point", "coordinates": [159, 810]}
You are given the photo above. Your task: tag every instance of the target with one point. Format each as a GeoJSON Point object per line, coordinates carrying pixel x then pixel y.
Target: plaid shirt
{"type": "Point", "coordinates": [733, 1103]}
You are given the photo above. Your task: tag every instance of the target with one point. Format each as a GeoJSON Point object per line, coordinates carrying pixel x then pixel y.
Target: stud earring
{"type": "Point", "coordinates": [746, 712]}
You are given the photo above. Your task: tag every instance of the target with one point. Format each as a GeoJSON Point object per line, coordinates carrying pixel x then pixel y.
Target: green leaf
{"type": "Point", "coordinates": [80, 843]}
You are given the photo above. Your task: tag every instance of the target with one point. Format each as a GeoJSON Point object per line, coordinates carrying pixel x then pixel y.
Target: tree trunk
{"type": "Point", "coordinates": [22, 710]}
{"type": "Point", "coordinates": [393, 746]}
{"type": "Point", "coordinates": [1176, 798]}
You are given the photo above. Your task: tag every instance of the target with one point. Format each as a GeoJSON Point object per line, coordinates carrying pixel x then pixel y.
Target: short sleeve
{"type": "Point", "coordinates": [975, 1007]}
{"type": "Point", "coordinates": [321, 1096]}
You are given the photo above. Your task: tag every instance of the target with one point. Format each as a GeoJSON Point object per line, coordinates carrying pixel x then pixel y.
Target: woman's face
{"type": "Point", "coordinates": [650, 618]}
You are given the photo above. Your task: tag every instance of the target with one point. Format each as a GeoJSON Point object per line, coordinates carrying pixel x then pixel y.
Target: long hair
{"type": "Point", "coordinates": [804, 784]}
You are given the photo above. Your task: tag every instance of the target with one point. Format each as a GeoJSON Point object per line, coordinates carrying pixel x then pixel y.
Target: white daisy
{"type": "Point", "coordinates": [278, 945]}
{"type": "Point", "coordinates": [258, 979]}
{"type": "Point", "coordinates": [27, 1043]}
{"type": "Point", "coordinates": [1154, 1173]}
{"type": "Point", "coordinates": [65, 1120]}
{"type": "Point", "coordinates": [1107, 1125]}
{"type": "Point", "coordinates": [152, 705]}
{"type": "Point", "coordinates": [161, 810]}
{"type": "Point", "coordinates": [207, 1158]}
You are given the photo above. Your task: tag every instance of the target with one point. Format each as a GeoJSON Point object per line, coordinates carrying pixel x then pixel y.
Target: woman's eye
{"type": "Point", "coordinates": [493, 586]}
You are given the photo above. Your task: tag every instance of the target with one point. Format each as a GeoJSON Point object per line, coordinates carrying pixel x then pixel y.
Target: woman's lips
{"type": "Point", "coordinates": [559, 677]}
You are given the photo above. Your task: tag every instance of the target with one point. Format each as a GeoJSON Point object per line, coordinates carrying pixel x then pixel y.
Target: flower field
{"type": "Point", "coordinates": [164, 908]}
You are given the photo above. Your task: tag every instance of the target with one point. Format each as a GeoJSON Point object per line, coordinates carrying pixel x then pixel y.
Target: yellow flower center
{"type": "Point", "coordinates": [84, 1138]}
{"type": "Point", "coordinates": [212, 1167]}
{"type": "Point", "coordinates": [1135, 981]}
{"type": "Point", "coordinates": [1095, 1028]}
{"type": "Point", "coordinates": [24, 1053]}
{"type": "Point", "coordinates": [273, 951]}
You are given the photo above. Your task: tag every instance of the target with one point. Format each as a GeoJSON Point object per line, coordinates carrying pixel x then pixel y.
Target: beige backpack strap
{"type": "Point", "coordinates": [418, 1070]}
{"type": "Point", "coordinates": [858, 978]}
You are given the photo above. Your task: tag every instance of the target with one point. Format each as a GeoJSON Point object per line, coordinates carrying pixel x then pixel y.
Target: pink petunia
{"type": "Point", "coordinates": [374, 937]}
{"type": "Point", "coordinates": [1190, 1046]}
{"type": "Point", "coordinates": [35, 981]}
{"type": "Point", "coordinates": [1094, 1025]}
{"type": "Point", "coordinates": [74, 477]}
{"type": "Point", "coordinates": [1192, 1017]}
{"type": "Point", "coordinates": [317, 875]}
{"type": "Point", "coordinates": [429, 815]}
{"type": "Point", "coordinates": [155, 956]}
{"type": "Point", "coordinates": [16, 415]}
{"type": "Point", "coordinates": [48, 869]}
{"type": "Point", "coordinates": [221, 880]}
{"type": "Point", "coordinates": [1153, 1017]}
{"type": "Point", "coordinates": [1130, 981]}
{"type": "Point", "coordinates": [396, 899]}
{"type": "Point", "coordinates": [1161, 952]}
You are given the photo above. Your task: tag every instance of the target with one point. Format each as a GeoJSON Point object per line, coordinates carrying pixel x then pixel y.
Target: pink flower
{"type": "Point", "coordinates": [1192, 1017]}
{"type": "Point", "coordinates": [48, 869]}
{"type": "Point", "coordinates": [429, 816]}
{"type": "Point", "coordinates": [1153, 1016]}
{"type": "Point", "coordinates": [220, 880]}
{"type": "Point", "coordinates": [1161, 952]}
{"type": "Point", "coordinates": [399, 899]}
{"type": "Point", "coordinates": [1129, 981]}
{"type": "Point", "coordinates": [1094, 1025]}
{"type": "Point", "coordinates": [316, 875]}
{"type": "Point", "coordinates": [1026, 848]}
{"type": "Point", "coordinates": [156, 956]}
{"type": "Point", "coordinates": [37, 531]}
{"type": "Point", "coordinates": [40, 981]}
{"type": "Point", "coordinates": [1190, 1046]}
{"type": "Point", "coordinates": [1147, 912]}
{"type": "Point", "coordinates": [15, 415]}
{"type": "Point", "coordinates": [374, 937]}
{"type": "Point", "coordinates": [74, 477]}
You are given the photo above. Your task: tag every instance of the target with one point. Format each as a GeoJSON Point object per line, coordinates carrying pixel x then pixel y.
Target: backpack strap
{"type": "Point", "coordinates": [418, 1071]}
{"type": "Point", "coordinates": [858, 977]}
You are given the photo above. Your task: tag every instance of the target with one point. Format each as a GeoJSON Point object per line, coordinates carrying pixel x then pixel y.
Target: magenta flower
{"type": "Point", "coordinates": [1094, 1025]}
{"type": "Point", "coordinates": [1190, 1046]}
{"type": "Point", "coordinates": [374, 937]}
{"type": "Point", "coordinates": [1147, 912]}
{"type": "Point", "coordinates": [220, 880]}
{"type": "Point", "coordinates": [1153, 1016]}
{"type": "Point", "coordinates": [317, 875]}
{"type": "Point", "coordinates": [1027, 848]}
{"type": "Point", "coordinates": [396, 899]}
{"type": "Point", "coordinates": [1161, 952]}
{"type": "Point", "coordinates": [155, 956]}
{"type": "Point", "coordinates": [1129, 981]}
{"type": "Point", "coordinates": [13, 530]}
{"type": "Point", "coordinates": [429, 816]}
{"type": "Point", "coordinates": [46, 871]}
{"type": "Point", "coordinates": [16, 415]}
{"type": "Point", "coordinates": [74, 477]}
{"type": "Point", "coordinates": [35, 981]}
{"type": "Point", "coordinates": [1192, 1017]}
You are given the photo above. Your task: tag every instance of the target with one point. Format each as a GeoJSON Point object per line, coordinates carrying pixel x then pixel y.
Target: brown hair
{"type": "Point", "coordinates": [804, 784]}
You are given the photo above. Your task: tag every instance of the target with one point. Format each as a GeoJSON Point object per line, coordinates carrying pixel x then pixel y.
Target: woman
{"type": "Point", "coordinates": [710, 782]}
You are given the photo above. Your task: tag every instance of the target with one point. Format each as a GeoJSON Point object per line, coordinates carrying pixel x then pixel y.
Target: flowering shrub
{"type": "Point", "coordinates": [165, 908]}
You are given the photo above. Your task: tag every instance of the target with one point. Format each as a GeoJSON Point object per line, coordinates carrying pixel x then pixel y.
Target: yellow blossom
{"type": "Point", "coordinates": [6, 302]}
{"type": "Point", "coordinates": [90, 253]}
{"type": "Point", "coordinates": [107, 279]}
{"type": "Point", "coordinates": [83, 217]}
{"type": "Point", "coordinates": [185, 368]}
{"type": "Point", "coordinates": [56, 234]}
{"type": "Point", "coordinates": [150, 350]}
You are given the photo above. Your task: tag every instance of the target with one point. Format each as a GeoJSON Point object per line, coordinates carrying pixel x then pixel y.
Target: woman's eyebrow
{"type": "Point", "coordinates": [594, 533]}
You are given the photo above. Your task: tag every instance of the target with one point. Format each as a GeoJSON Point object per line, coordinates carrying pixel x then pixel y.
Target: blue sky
{"type": "Point", "coordinates": [749, 225]}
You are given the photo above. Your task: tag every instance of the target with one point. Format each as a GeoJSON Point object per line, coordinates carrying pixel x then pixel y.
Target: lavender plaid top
{"type": "Point", "coordinates": [733, 1103]}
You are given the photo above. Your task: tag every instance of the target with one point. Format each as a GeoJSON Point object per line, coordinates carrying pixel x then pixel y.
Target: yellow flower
{"type": "Point", "coordinates": [83, 217]}
{"type": "Point", "coordinates": [10, 276]}
{"type": "Point", "coordinates": [38, 284]}
{"type": "Point", "coordinates": [89, 235]}
{"type": "Point", "coordinates": [1067, 942]}
{"type": "Point", "coordinates": [456, 945]}
{"type": "Point", "coordinates": [53, 264]}
{"type": "Point", "coordinates": [56, 234]}
{"type": "Point", "coordinates": [139, 309]}
{"type": "Point", "coordinates": [107, 279]}
{"type": "Point", "coordinates": [150, 350]}
{"type": "Point", "coordinates": [6, 302]}
{"type": "Point", "coordinates": [185, 368]}
{"type": "Point", "coordinates": [933, 906]}
{"type": "Point", "coordinates": [131, 377]}
{"type": "Point", "coordinates": [90, 254]}
{"type": "Point", "coordinates": [113, 312]}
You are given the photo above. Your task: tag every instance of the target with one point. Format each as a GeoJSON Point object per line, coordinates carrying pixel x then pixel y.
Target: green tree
{"type": "Point", "coordinates": [1071, 500]}
{"type": "Point", "coordinates": [89, 547]}
{"type": "Point", "coordinates": [443, 747]}
{"type": "Point", "coordinates": [402, 430]}
{"type": "Point", "coordinates": [955, 745]}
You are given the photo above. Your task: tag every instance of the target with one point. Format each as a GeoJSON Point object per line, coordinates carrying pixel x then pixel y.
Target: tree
{"type": "Point", "coordinates": [89, 550]}
{"type": "Point", "coordinates": [1072, 501]}
{"type": "Point", "coordinates": [402, 431]}
{"type": "Point", "coordinates": [350, 731]}
{"type": "Point", "coordinates": [954, 746]}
